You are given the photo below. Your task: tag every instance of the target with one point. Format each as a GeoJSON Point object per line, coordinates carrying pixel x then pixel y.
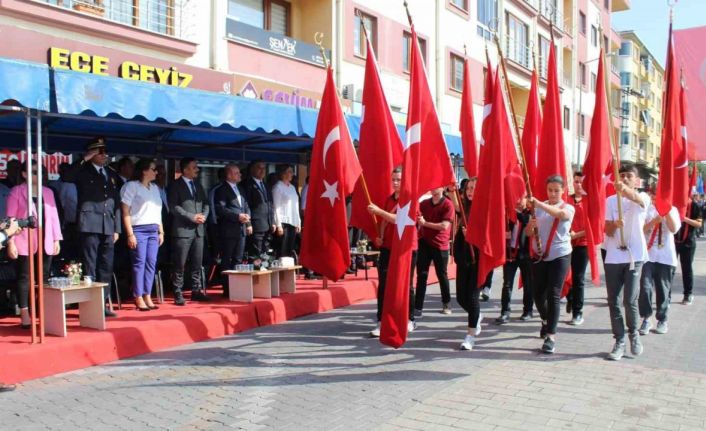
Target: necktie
{"type": "Point", "coordinates": [102, 172]}
{"type": "Point", "coordinates": [262, 189]}
{"type": "Point", "coordinates": [193, 189]}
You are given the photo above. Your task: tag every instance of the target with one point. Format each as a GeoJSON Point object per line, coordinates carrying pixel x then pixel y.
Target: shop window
{"type": "Point", "coordinates": [370, 22]}
{"type": "Point", "coordinates": [407, 50]}
{"type": "Point", "coordinates": [456, 69]}
{"type": "Point", "coordinates": [272, 15]}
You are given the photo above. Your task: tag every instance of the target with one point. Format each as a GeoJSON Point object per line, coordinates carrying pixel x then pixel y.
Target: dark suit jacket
{"type": "Point", "coordinates": [98, 199]}
{"type": "Point", "coordinates": [262, 211]}
{"type": "Point", "coordinates": [228, 211]}
{"type": "Point", "coordinates": [183, 207]}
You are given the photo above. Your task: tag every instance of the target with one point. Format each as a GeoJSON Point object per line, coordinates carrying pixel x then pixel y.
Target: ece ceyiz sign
{"type": "Point", "coordinates": [60, 58]}
{"type": "Point", "coordinates": [50, 161]}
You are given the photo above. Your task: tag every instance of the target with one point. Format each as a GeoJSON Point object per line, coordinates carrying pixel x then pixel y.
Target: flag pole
{"type": "Point", "coordinates": [516, 129]}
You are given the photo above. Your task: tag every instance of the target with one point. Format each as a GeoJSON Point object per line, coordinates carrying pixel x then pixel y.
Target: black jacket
{"type": "Point", "coordinates": [183, 207]}
{"type": "Point", "coordinates": [228, 211]}
{"type": "Point", "coordinates": [262, 211]}
{"type": "Point", "coordinates": [98, 198]}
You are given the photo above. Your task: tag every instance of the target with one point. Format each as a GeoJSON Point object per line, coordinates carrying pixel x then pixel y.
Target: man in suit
{"type": "Point", "coordinates": [189, 208]}
{"type": "Point", "coordinates": [99, 221]}
{"type": "Point", "coordinates": [234, 225]}
{"type": "Point", "coordinates": [262, 213]}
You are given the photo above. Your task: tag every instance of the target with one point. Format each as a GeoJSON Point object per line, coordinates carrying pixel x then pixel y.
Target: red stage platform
{"type": "Point", "coordinates": [136, 333]}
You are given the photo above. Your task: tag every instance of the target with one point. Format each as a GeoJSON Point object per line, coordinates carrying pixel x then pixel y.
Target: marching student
{"type": "Point", "coordinates": [686, 246]}
{"type": "Point", "coordinates": [579, 253]}
{"type": "Point", "coordinates": [658, 271]}
{"type": "Point", "coordinates": [436, 215]}
{"type": "Point", "coordinates": [518, 257]}
{"type": "Point", "coordinates": [552, 222]}
{"type": "Point", "coordinates": [467, 292]}
{"type": "Point", "coordinates": [623, 262]}
{"type": "Point", "coordinates": [384, 241]}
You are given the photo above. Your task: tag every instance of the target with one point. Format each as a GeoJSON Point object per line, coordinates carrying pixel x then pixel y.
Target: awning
{"type": "Point", "coordinates": [25, 84]}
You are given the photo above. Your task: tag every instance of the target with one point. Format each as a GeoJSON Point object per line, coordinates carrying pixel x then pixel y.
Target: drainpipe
{"type": "Point", "coordinates": [213, 51]}
{"type": "Point", "coordinates": [439, 57]}
{"type": "Point", "coordinates": [337, 48]}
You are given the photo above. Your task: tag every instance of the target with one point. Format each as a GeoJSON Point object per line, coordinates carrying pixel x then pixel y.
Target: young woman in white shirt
{"type": "Point", "coordinates": [142, 220]}
{"type": "Point", "coordinates": [286, 205]}
{"type": "Point", "coordinates": [552, 222]}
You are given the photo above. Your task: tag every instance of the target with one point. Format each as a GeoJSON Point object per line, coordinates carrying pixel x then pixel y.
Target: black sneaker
{"type": "Point", "coordinates": [179, 299]}
{"type": "Point", "coordinates": [568, 307]}
{"type": "Point", "coordinates": [199, 296]}
{"type": "Point", "coordinates": [548, 346]}
{"type": "Point", "coordinates": [485, 294]}
{"type": "Point", "coordinates": [504, 318]}
{"type": "Point", "coordinates": [543, 331]}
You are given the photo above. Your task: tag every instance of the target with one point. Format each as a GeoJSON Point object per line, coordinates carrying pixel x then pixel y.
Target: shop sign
{"type": "Point", "coordinates": [60, 58]}
{"type": "Point", "coordinates": [50, 161]}
{"type": "Point", "coordinates": [274, 42]}
{"type": "Point", "coordinates": [281, 94]}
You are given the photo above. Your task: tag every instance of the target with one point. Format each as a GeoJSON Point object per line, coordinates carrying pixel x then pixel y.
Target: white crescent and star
{"type": "Point", "coordinates": [333, 136]}
{"type": "Point", "coordinates": [402, 218]}
{"type": "Point", "coordinates": [686, 159]}
{"type": "Point", "coordinates": [331, 192]}
{"type": "Point", "coordinates": [413, 135]}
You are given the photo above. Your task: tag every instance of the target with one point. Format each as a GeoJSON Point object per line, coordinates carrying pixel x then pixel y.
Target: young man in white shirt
{"type": "Point", "coordinates": [658, 271]}
{"type": "Point", "coordinates": [626, 251]}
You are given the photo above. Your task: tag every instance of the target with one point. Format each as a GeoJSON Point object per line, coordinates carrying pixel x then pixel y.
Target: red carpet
{"type": "Point", "coordinates": [136, 333]}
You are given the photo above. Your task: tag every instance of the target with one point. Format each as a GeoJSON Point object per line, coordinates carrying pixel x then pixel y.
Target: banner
{"type": "Point", "coordinates": [50, 161]}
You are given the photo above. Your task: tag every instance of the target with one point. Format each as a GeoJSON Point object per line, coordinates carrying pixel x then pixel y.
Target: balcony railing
{"type": "Point", "coordinates": [160, 16]}
{"type": "Point", "coordinates": [518, 51]}
{"type": "Point", "coordinates": [548, 10]}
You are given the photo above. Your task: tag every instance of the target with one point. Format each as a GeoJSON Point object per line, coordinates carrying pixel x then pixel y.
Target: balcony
{"type": "Point", "coordinates": [549, 10]}
{"type": "Point", "coordinates": [620, 5]}
{"type": "Point", "coordinates": [159, 16]}
{"type": "Point", "coordinates": [518, 51]}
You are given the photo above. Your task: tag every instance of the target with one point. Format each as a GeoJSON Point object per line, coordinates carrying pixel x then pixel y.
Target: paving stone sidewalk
{"type": "Point", "coordinates": [322, 372]}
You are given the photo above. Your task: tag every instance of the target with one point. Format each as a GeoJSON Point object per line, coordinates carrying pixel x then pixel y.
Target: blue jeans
{"type": "Point", "coordinates": [144, 258]}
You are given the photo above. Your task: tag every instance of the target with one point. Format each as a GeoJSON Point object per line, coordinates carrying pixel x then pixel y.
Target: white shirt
{"type": "Point", "coordinates": [634, 219]}
{"type": "Point", "coordinates": [98, 169]}
{"type": "Point", "coordinates": [286, 203]}
{"type": "Point", "coordinates": [234, 186]}
{"type": "Point", "coordinates": [667, 253]}
{"type": "Point", "coordinates": [305, 192]}
{"type": "Point", "coordinates": [145, 203]}
{"type": "Point", "coordinates": [561, 243]}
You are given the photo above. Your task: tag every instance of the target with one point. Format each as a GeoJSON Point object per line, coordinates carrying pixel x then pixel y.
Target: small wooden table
{"type": "Point", "coordinates": [246, 285]}
{"type": "Point", "coordinates": [91, 308]}
{"type": "Point", "coordinates": [284, 279]}
{"type": "Point", "coordinates": [365, 254]}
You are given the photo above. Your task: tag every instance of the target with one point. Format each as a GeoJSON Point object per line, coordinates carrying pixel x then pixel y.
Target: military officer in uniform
{"type": "Point", "coordinates": [99, 222]}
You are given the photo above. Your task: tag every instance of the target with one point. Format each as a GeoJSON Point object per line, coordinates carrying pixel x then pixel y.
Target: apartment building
{"type": "Point", "coordinates": [641, 78]}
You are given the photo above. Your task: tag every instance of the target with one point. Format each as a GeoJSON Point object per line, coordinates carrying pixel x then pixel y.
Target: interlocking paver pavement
{"type": "Point", "coordinates": [322, 372]}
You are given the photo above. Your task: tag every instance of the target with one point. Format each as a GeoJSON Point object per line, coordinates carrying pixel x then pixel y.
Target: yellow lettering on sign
{"type": "Point", "coordinates": [185, 79]}
{"type": "Point", "coordinates": [59, 58]}
{"type": "Point", "coordinates": [146, 73]}
{"type": "Point", "coordinates": [162, 75]}
{"type": "Point", "coordinates": [80, 62]}
{"type": "Point", "coordinates": [129, 70]}
{"type": "Point", "coordinates": [100, 65]}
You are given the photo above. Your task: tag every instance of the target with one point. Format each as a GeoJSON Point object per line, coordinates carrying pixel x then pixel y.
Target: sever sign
{"type": "Point", "coordinates": [60, 58]}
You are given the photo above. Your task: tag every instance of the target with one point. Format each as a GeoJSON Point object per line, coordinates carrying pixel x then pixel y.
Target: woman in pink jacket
{"type": "Point", "coordinates": [17, 246]}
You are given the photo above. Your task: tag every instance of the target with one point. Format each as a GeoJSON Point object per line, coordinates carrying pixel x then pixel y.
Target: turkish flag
{"type": "Point", "coordinates": [532, 126]}
{"type": "Point", "coordinates": [487, 232]}
{"type": "Point", "coordinates": [551, 159]}
{"type": "Point", "coordinates": [672, 157]}
{"type": "Point", "coordinates": [333, 173]}
{"type": "Point", "coordinates": [487, 103]}
{"type": "Point", "coordinates": [680, 199]}
{"type": "Point", "coordinates": [379, 150]}
{"type": "Point", "coordinates": [598, 160]}
{"type": "Point", "coordinates": [467, 127]}
{"type": "Point", "coordinates": [692, 56]}
{"type": "Point", "coordinates": [426, 165]}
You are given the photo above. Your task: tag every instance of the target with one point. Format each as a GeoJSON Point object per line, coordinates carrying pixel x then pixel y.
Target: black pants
{"type": "Point", "coordinates": [467, 290]}
{"type": "Point", "coordinates": [509, 270]}
{"type": "Point", "coordinates": [232, 253]}
{"type": "Point", "coordinates": [97, 252]}
{"type": "Point", "coordinates": [427, 255]}
{"type": "Point", "coordinates": [686, 259]}
{"type": "Point", "coordinates": [383, 264]}
{"type": "Point", "coordinates": [657, 278]}
{"type": "Point", "coordinates": [187, 250]}
{"type": "Point", "coordinates": [579, 262]}
{"type": "Point", "coordinates": [285, 243]}
{"type": "Point", "coordinates": [22, 265]}
{"type": "Point", "coordinates": [488, 283]}
{"type": "Point", "coordinates": [258, 243]}
{"type": "Point", "coordinates": [548, 278]}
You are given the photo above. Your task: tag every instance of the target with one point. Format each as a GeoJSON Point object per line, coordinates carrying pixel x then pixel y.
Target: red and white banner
{"type": "Point", "coordinates": [691, 56]}
{"type": "Point", "coordinates": [50, 161]}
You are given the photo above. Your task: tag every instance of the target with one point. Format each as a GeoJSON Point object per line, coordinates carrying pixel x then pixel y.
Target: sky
{"type": "Point", "coordinates": [650, 20]}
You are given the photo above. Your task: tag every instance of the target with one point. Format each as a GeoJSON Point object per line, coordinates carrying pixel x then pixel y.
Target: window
{"type": "Point", "coordinates": [582, 23]}
{"type": "Point", "coordinates": [517, 46]}
{"type": "Point", "coordinates": [487, 17]}
{"type": "Point", "coordinates": [594, 35]}
{"type": "Point", "coordinates": [153, 15]}
{"type": "Point", "coordinates": [543, 56]}
{"type": "Point", "coordinates": [407, 50]}
{"type": "Point", "coordinates": [606, 4]}
{"type": "Point", "coordinates": [461, 4]}
{"type": "Point", "coordinates": [594, 78]}
{"type": "Point", "coordinates": [582, 125]}
{"type": "Point", "coordinates": [625, 48]}
{"type": "Point", "coordinates": [582, 74]}
{"type": "Point", "coordinates": [456, 69]}
{"type": "Point", "coordinates": [567, 118]}
{"type": "Point", "coordinates": [359, 44]}
{"type": "Point", "coordinates": [625, 138]}
{"type": "Point", "coordinates": [272, 15]}
{"type": "Point", "coordinates": [626, 110]}
{"type": "Point", "coordinates": [625, 79]}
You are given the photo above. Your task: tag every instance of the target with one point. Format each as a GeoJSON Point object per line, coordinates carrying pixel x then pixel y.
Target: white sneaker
{"type": "Point", "coordinates": [478, 325]}
{"type": "Point", "coordinates": [375, 333]}
{"type": "Point", "coordinates": [446, 309]}
{"type": "Point", "coordinates": [411, 326]}
{"type": "Point", "coordinates": [645, 327]}
{"type": "Point", "coordinates": [468, 342]}
{"type": "Point", "coordinates": [662, 327]}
